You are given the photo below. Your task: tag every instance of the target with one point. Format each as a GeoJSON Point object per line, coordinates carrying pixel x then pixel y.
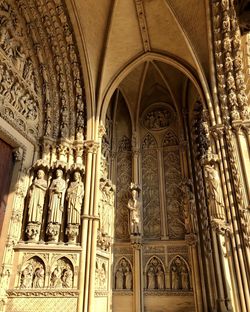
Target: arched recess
{"type": "Point", "coordinates": [201, 85]}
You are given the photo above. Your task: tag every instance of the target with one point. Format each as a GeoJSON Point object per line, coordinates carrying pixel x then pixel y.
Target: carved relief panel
{"type": "Point", "coordinates": [123, 275]}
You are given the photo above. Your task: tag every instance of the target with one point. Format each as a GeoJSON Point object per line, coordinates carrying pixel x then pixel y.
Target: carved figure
{"type": "Point", "coordinates": [56, 281]}
{"type": "Point", "coordinates": [56, 200]}
{"type": "Point", "coordinates": [134, 206]}
{"type": "Point", "coordinates": [160, 278]}
{"type": "Point", "coordinates": [128, 279]}
{"type": "Point", "coordinates": [174, 278]}
{"type": "Point", "coordinates": [67, 278]}
{"type": "Point", "coordinates": [36, 198]}
{"type": "Point", "coordinates": [151, 278]}
{"type": "Point", "coordinates": [39, 278]}
{"type": "Point", "coordinates": [119, 279]}
{"type": "Point", "coordinates": [27, 277]}
{"type": "Point", "coordinates": [74, 197]}
{"type": "Point", "coordinates": [184, 277]}
{"type": "Point", "coordinates": [214, 192]}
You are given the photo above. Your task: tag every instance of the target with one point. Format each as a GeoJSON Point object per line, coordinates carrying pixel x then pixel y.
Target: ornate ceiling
{"type": "Point", "coordinates": [114, 33]}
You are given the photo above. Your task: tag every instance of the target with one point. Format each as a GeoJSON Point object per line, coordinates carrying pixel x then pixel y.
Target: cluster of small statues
{"type": "Point", "coordinates": [57, 195]}
{"type": "Point", "coordinates": [123, 275]}
{"type": "Point", "coordinates": [33, 276]}
{"type": "Point", "coordinates": [157, 119]}
{"type": "Point", "coordinates": [179, 275]}
{"type": "Point", "coordinates": [16, 96]}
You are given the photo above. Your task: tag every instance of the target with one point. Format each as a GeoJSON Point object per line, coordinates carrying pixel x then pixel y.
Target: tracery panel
{"type": "Point", "coordinates": [150, 188]}
{"type": "Point", "coordinates": [124, 178]}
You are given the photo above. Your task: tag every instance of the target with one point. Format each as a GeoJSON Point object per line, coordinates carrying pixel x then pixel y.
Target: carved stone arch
{"type": "Point", "coordinates": [120, 259]}
{"type": "Point", "coordinates": [148, 141]}
{"type": "Point", "coordinates": [170, 139]}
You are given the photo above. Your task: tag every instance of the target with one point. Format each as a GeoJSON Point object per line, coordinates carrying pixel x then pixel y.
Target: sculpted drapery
{"type": "Point", "coordinates": [56, 200]}
{"type": "Point", "coordinates": [74, 197]}
{"type": "Point", "coordinates": [36, 198]}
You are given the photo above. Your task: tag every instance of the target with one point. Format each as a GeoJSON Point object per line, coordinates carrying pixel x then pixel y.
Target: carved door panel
{"type": "Point", "coordinates": [6, 166]}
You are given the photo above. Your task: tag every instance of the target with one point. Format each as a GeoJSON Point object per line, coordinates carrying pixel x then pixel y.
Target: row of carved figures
{"type": "Point", "coordinates": [57, 194]}
{"type": "Point", "coordinates": [155, 275]}
{"type": "Point", "coordinates": [34, 274]}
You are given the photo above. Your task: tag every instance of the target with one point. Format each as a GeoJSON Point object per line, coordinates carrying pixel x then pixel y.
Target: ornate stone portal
{"type": "Point", "coordinates": [185, 231]}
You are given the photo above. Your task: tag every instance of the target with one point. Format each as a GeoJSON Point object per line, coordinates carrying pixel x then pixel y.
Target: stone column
{"type": "Point", "coordinates": [86, 278]}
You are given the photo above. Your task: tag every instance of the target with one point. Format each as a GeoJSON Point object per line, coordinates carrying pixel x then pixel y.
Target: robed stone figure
{"type": "Point", "coordinates": [36, 198]}
{"type": "Point", "coordinates": [74, 197]}
{"type": "Point", "coordinates": [56, 198]}
{"type": "Point", "coordinates": [134, 206]}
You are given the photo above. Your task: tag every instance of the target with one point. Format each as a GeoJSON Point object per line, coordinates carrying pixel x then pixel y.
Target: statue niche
{"type": "Point", "coordinates": [179, 275]}
{"type": "Point", "coordinates": [33, 274]}
{"type": "Point", "coordinates": [134, 206]}
{"type": "Point", "coordinates": [155, 274]}
{"type": "Point", "coordinates": [123, 275]}
{"type": "Point", "coordinates": [62, 275]}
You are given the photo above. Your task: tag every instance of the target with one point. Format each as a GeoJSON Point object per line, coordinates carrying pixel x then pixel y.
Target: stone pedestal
{"type": "Point", "coordinates": [52, 232]}
{"type": "Point", "coordinates": [72, 232]}
{"type": "Point", "coordinates": [32, 231]}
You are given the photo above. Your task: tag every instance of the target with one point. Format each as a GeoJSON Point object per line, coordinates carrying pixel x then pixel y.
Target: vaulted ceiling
{"type": "Point", "coordinates": [114, 33]}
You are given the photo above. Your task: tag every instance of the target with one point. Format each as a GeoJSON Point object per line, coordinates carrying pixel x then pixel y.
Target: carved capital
{"type": "Point", "coordinates": [91, 146]}
{"type": "Point", "coordinates": [101, 131]}
{"type": "Point", "coordinates": [221, 227]}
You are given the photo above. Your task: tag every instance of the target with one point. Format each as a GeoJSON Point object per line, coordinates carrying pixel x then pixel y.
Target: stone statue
{"type": "Point", "coordinates": [151, 278]}
{"type": "Point", "coordinates": [27, 277]}
{"type": "Point", "coordinates": [56, 198]}
{"type": "Point", "coordinates": [184, 277]}
{"type": "Point", "coordinates": [174, 278]}
{"type": "Point", "coordinates": [134, 206]}
{"type": "Point", "coordinates": [214, 193]}
{"type": "Point", "coordinates": [160, 278]}
{"type": "Point", "coordinates": [119, 279]}
{"type": "Point", "coordinates": [128, 278]}
{"type": "Point", "coordinates": [39, 278]}
{"type": "Point", "coordinates": [74, 197]}
{"type": "Point", "coordinates": [56, 281]}
{"type": "Point", "coordinates": [67, 278]}
{"type": "Point", "coordinates": [36, 198]}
